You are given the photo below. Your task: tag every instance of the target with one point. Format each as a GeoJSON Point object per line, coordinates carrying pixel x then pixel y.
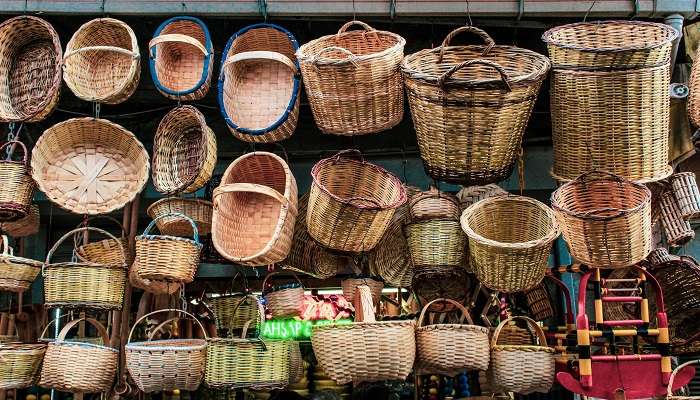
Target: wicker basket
{"type": "Point", "coordinates": [453, 347]}
{"type": "Point", "coordinates": [167, 258]}
{"type": "Point", "coordinates": [538, 302]}
{"type": "Point", "coordinates": [259, 84]}
{"type": "Point", "coordinates": [181, 58]}
{"type": "Point", "coordinates": [349, 286]}
{"type": "Point", "coordinates": [197, 210]}
{"type": "Point", "coordinates": [30, 69]}
{"type": "Point", "coordinates": [233, 309]}
{"type": "Point", "coordinates": [390, 258]}
{"type": "Point", "coordinates": [685, 188]}
{"type": "Point", "coordinates": [255, 208]}
{"type": "Point", "coordinates": [84, 284]}
{"type": "Point", "coordinates": [353, 81]}
{"type": "Point", "coordinates": [20, 364]}
{"type": "Point", "coordinates": [694, 95]}
{"type": "Point", "coordinates": [433, 204]}
{"type": "Point", "coordinates": [102, 61]}
{"type": "Point", "coordinates": [351, 202]}
{"type": "Point", "coordinates": [16, 273]}
{"type": "Point", "coordinates": [158, 365]}
{"type": "Point", "coordinates": [605, 219]}
{"type": "Point", "coordinates": [98, 340]}
{"type": "Point", "coordinates": [25, 226]}
{"type": "Point", "coordinates": [669, 393]}
{"type": "Point", "coordinates": [184, 152]}
{"type": "Point", "coordinates": [470, 106]}
{"type": "Point", "coordinates": [283, 301]}
{"type": "Point", "coordinates": [89, 166]}
{"type": "Point", "coordinates": [510, 239]}
{"type": "Point", "coordinates": [471, 194]}
{"type": "Point", "coordinates": [18, 186]}
{"type": "Point", "coordinates": [676, 229]}
{"type": "Point", "coordinates": [77, 367]}
{"type": "Point", "coordinates": [522, 369]}
{"type": "Point", "coordinates": [106, 251]}
{"type": "Point", "coordinates": [437, 242]}
{"type": "Point", "coordinates": [434, 282]}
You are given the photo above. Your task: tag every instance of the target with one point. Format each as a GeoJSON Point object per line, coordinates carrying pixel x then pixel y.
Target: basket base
{"type": "Point", "coordinates": [468, 178]}
{"type": "Point", "coordinates": [77, 305]}
{"type": "Point", "coordinates": [14, 285]}
{"type": "Point", "coordinates": [10, 212]}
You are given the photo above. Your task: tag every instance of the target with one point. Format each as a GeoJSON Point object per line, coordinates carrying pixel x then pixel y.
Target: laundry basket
{"type": "Point", "coordinates": [197, 210]}
{"type": "Point", "coordinates": [17, 184]}
{"type": "Point", "coordinates": [16, 273]}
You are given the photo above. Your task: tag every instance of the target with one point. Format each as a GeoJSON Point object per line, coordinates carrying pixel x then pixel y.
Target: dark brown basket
{"type": "Point", "coordinates": [539, 303]}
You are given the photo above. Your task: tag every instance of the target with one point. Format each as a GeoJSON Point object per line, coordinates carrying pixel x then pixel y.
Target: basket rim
{"type": "Point", "coordinates": [306, 58]}
{"type": "Point", "coordinates": [57, 342]}
{"type": "Point", "coordinates": [170, 345]}
{"type": "Point", "coordinates": [554, 199]}
{"type": "Point", "coordinates": [452, 327]}
{"type": "Point", "coordinates": [21, 347]}
{"type": "Point", "coordinates": [82, 264]}
{"type": "Point", "coordinates": [517, 347]}
{"type": "Point", "coordinates": [667, 173]}
{"type": "Point", "coordinates": [8, 259]}
{"type": "Point", "coordinates": [152, 209]}
{"type": "Point", "coordinates": [361, 325]}
{"type": "Point", "coordinates": [169, 238]}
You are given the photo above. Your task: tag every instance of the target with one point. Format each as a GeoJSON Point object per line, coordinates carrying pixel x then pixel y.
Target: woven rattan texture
{"type": "Point", "coordinates": [349, 286]}
{"type": "Point", "coordinates": [685, 189]}
{"type": "Point", "coordinates": [283, 302]}
{"type": "Point", "coordinates": [471, 194]}
{"type": "Point", "coordinates": [25, 226]}
{"type": "Point", "coordinates": [17, 273]}
{"type": "Point", "coordinates": [437, 242]}
{"type": "Point", "coordinates": [233, 310]}
{"type": "Point", "coordinates": [679, 278]}
{"type": "Point", "coordinates": [694, 95]}
{"type": "Point", "coordinates": [390, 259]}
{"type": "Point", "coordinates": [430, 283]}
{"type": "Point", "coordinates": [539, 303]}
{"type": "Point", "coordinates": [20, 364]}
{"type": "Point", "coordinates": [434, 204]}
{"type": "Point", "coordinates": [247, 363]}
{"type": "Point", "coordinates": [200, 211]}
{"type": "Point", "coordinates": [18, 186]}
{"type": "Point", "coordinates": [676, 229]}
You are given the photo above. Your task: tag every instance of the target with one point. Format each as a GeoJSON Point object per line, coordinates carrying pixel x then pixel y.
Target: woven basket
{"type": "Point", "coordinates": [342, 349]}
{"type": "Point", "coordinates": [669, 393]}
{"type": "Point", "coordinates": [84, 284]}
{"type": "Point", "coordinates": [510, 239]}
{"type": "Point", "coordinates": [89, 166]}
{"type": "Point", "coordinates": [390, 258]}
{"type": "Point", "coordinates": [677, 230]}
{"type": "Point", "coordinates": [470, 106]}
{"type": "Point", "coordinates": [284, 301]}
{"type": "Point", "coordinates": [102, 61]}
{"type": "Point", "coordinates": [349, 286]}
{"type": "Point", "coordinates": [605, 219]}
{"type": "Point", "coordinates": [16, 273]}
{"type": "Point", "coordinates": [225, 305]}
{"type": "Point", "coordinates": [259, 84]}
{"type": "Point", "coordinates": [351, 202]}
{"type": "Point", "coordinates": [685, 189]}
{"type": "Point", "coordinates": [30, 69]}
{"type": "Point", "coordinates": [167, 258]}
{"type": "Point", "coordinates": [25, 226]}
{"type": "Point", "coordinates": [255, 208]}
{"type": "Point", "coordinates": [538, 302]}
{"type": "Point", "coordinates": [434, 282]}
{"type": "Point", "coordinates": [184, 152]}
{"type": "Point", "coordinates": [352, 80]}
{"type": "Point", "coordinates": [199, 211]}
{"type": "Point", "coordinates": [433, 204]}
{"type": "Point", "coordinates": [437, 242]}
{"type": "Point", "coordinates": [181, 58]}
{"type": "Point", "coordinates": [453, 347]}
{"type": "Point", "coordinates": [98, 340]}
{"type": "Point", "coordinates": [77, 367]}
{"type": "Point", "coordinates": [153, 286]}
{"type": "Point", "coordinates": [471, 194]}
{"type": "Point", "coordinates": [18, 186]}
{"type": "Point", "coordinates": [106, 251]}
{"type": "Point", "coordinates": [20, 364]}
{"type": "Point", "coordinates": [522, 369]}
{"type": "Point", "coordinates": [166, 365]}
{"type": "Point", "coordinates": [694, 95]}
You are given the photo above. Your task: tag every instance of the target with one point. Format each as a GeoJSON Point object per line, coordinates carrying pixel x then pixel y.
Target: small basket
{"type": "Point", "coordinates": [153, 286]}
{"type": "Point", "coordinates": [605, 219]}
{"type": "Point", "coordinates": [677, 230]}
{"type": "Point", "coordinates": [434, 282]}
{"type": "Point", "coordinates": [522, 369]}
{"type": "Point", "coordinates": [17, 183]}
{"type": "Point", "coordinates": [351, 202]}
{"type": "Point", "coordinates": [16, 273]}
{"type": "Point", "coordinates": [166, 365]}
{"type": "Point", "coordinates": [352, 80]}
{"type": "Point", "coordinates": [102, 62]}
{"type": "Point", "coordinates": [669, 393]}
{"type": "Point", "coordinates": [438, 242]}
{"type": "Point", "coordinates": [20, 364]}
{"type": "Point", "coordinates": [30, 70]}
{"type": "Point", "coordinates": [199, 211]}
{"type": "Point", "coordinates": [167, 258]}
{"type": "Point", "coordinates": [471, 194]}
{"type": "Point", "coordinates": [390, 258]}
{"type": "Point", "coordinates": [510, 239]}
{"type": "Point", "coordinates": [184, 152]}
{"type": "Point", "coordinates": [106, 251]}
{"type": "Point", "coordinates": [25, 226]}
{"type": "Point", "coordinates": [433, 204]}
{"type": "Point", "coordinates": [685, 188]}
{"type": "Point", "coordinates": [349, 286]}
{"type": "Point", "coordinates": [233, 309]}
{"type": "Point", "coordinates": [181, 58]}
{"type": "Point", "coordinates": [77, 367]}
{"type": "Point", "coordinates": [539, 303]}
{"type": "Point", "coordinates": [285, 301]}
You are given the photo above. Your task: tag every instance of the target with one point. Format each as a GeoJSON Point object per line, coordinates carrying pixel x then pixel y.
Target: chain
{"type": "Point", "coordinates": [12, 135]}
{"type": "Point", "coordinates": [521, 171]}
{"type": "Point", "coordinates": [183, 298]}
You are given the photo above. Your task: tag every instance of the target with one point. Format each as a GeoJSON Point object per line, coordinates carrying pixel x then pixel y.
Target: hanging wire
{"type": "Point", "coordinates": [469, 14]}
{"type": "Point", "coordinates": [354, 15]}
{"type": "Point", "coordinates": [521, 170]}
{"type": "Point", "coordinates": [589, 10]}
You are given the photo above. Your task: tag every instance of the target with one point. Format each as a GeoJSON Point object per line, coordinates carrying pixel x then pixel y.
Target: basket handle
{"type": "Point", "coordinates": [261, 313]}
{"type": "Point", "coordinates": [346, 152]}
{"type": "Point", "coordinates": [101, 330]}
{"type": "Point", "coordinates": [540, 333]}
{"type": "Point", "coordinates": [348, 24]}
{"type": "Point", "coordinates": [74, 231]}
{"type": "Point", "coordinates": [488, 41]}
{"type": "Point", "coordinates": [465, 312]}
{"type": "Point", "coordinates": [51, 322]}
{"type": "Point", "coordinates": [6, 249]}
{"type": "Point", "coordinates": [177, 38]}
{"type": "Point", "coordinates": [195, 232]}
{"type": "Point", "coordinates": [160, 326]}
{"type": "Point", "coordinates": [479, 61]}
{"type": "Point", "coordinates": [24, 149]}
{"type": "Point", "coordinates": [112, 49]}
{"type": "Point", "coordinates": [77, 238]}
{"type": "Point", "coordinates": [351, 57]}
{"type": "Point", "coordinates": [264, 282]}
{"type": "Point", "coordinates": [248, 187]}
{"type": "Point", "coordinates": [669, 389]}
{"type": "Point", "coordinates": [259, 55]}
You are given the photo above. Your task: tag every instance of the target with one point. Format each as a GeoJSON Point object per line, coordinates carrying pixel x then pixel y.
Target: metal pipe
{"type": "Point", "coordinates": [675, 21]}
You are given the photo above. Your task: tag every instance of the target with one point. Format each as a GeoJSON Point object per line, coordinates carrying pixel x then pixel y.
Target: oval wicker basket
{"type": "Point", "coordinates": [25, 226]}
{"type": "Point", "coordinates": [255, 208]}
{"type": "Point", "coordinates": [676, 229]}
{"type": "Point", "coordinates": [30, 69]}
{"type": "Point", "coordinates": [199, 211]}
{"type": "Point", "coordinates": [470, 106]}
{"type": "Point", "coordinates": [685, 189]}
{"type": "Point", "coordinates": [16, 273]}
{"type": "Point", "coordinates": [352, 80]}
{"type": "Point", "coordinates": [349, 286]}
{"type": "Point", "coordinates": [437, 242]}
{"type": "Point", "coordinates": [181, 58]}
{"type": "Point", "coordinates": [106, 251]}
{"type": "Point", "coordinates": [390, 258]}
{"type": "Point", "coordinates": [89, 166]}
{"type": "Point", "coordinates": [260, 84]}
{"type": "Point", "coordinates": [284, 301]}
{"type": "Point", "coordinates": [17, 183]}
{"type": "Point", "coordinates": [510, 239]}
{"type": "Point", "coordinates": [20, 364]}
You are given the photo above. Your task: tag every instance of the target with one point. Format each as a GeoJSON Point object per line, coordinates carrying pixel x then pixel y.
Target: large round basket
{"type": "Point", "coordinates": [437, 242]}
{"type": "Point", "coordinates": [184, 152]}
{"type": "Point", "coordinates": [470, 106]}
{"type": "Point", "coordinates": [197, 210]}
{"type": "Point", "coordinates": [510, 239]}
{"type": "Point", "coordinates": [181, 58]}
{"type": "Point", "coordinates": [390, 258]}
{"type": "Point", "coordinates": [30, 69]}
{"type": "Point", "coordinates": [17, 183]}
{"type": "Point", "coordinates": [351, 203]}
{"type": "Point", "coordinates": [260, 84]}
{"type": "Point", "coordinates": [25, 226]}
{"type": "Point", "coordinates": [283, 300]}
{"type": "Point", "coordinates": [89, 166]}
{"type": "Point", "coordinates": [16, 273]}
{"type": "Point", "coordinates": [105, 251]}
{"type": "Point", "coordinates": [349, 286]}
{"type": "Point", "coordinates": [352, 80]}
{"type": "Point", "coordinates": [605, 219]}
{"type": "Point", "coordinates": [20, 364]}
{"type": "Point", "coordinates": [255, 208]}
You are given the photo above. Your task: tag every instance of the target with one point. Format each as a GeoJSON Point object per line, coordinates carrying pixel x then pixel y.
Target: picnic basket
{"type": "Point", "coordinates": [20, 364]}
{"type": "Point", "coordinates": [676, 229]}
{"type": "Point", "coordinates": [685, 189]}
{"type": "Point", "coordinates": [16, 273]}
{"type": "Point", "coordinates": [283, 300]}
{"type": "Point", "coordinates": [25, 226]}
{"type": "Point", "coordinates": [18, 186]}
{"type": "Point", "coordinates": [106, 251]}
{"type": "Point", "coordinates": [197, 210]}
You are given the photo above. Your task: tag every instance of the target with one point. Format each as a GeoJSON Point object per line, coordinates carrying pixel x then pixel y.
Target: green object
{"type": "Point", "coordinates": [293, 329]}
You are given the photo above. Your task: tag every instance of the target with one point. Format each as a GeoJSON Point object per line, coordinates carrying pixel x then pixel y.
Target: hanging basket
{"type": "Point", "coordinates": [30, 70]}
{"type": "Point", "coordinates": [102, 62]}
{"type": "Point", "coordinates": [433, 204]}
{"type": "Point", "coordinates": [435, 282]}
{"type": "Point", "coordinates": [390, 258]}
{"type": "Point", "coordinates": [18, 186]}
{"type": "Point", "coordinates": [234, 308]}
{"type": "Point", "coordinates": [510, 239]}
{"type": "Point", "coordinates": [349, 286]}
{"type": "Point", "coordinates": [677, 230]}
{"type": "Point", "coordinates": [260, 84]}
{"type": "Point", "coordinates": [685, 189]}
{"type": "Point", "coordinates": [351, 202]}
{"type": "Point", "coordinates": [184, 152]}
{"type": "Point", "coordinates": [470, 106]}
{"type": "Point", "coordinates": [84, 284]}
{"type": "Point", "coordinates": [437, 242]}
{"type": "Point", "coordinates": [199, 211]}
{"type": "Point", "coordinates": [283, 300]}
{"type": "Point", "coordinates": [255, 208]}
{"type": "Point", "coordinates": [154, 286]}
{"type": "Point", "coordinates": [89, 166]}
{"type": "Point", "coordinates": [471, 194]}
{"type": "Point", "coordinates": [181, 57]}
{"type": "Point", "coordinates": [605, 219]}
{"type": "Point", "coordinates": [20, 364]}
{"type": "Point", "coordinates": [352, 80]}
{"type": "Point", "coordinates": [538, 302]}
{"type": "Point", "coordinates": [25, 226]}
{"type": "Point", "coordinates": [106, 251]}
{"type": "Point", "coordinates": [16, 273]}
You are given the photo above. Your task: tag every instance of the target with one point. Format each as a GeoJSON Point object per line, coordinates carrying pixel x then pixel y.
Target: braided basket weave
{"type": "Point", "coordinates": [390, 258]}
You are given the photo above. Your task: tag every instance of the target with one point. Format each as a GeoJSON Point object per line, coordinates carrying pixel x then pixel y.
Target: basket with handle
{"type": "Point", "coordinates": [18, 185]}
{"type": "Point", "coordinates": [349, 286]}
{"type": "Point", "coordinates": [390, 258]}
{"type": "Point", "coordinates": [19, 364]}
{"type": "Point", "coordinates": [234, 308]}
{"type": "Point", "coordinates": [685, 396]}
{"type": "Point", "coordinates": [471, 194]}
{"type": "Point", "coordinates": [102, 61]}
{"type": "Point", "coordinates": [82, 283]}
{"type": "Point", "coordinates": [284, 300]}
{"type": "Point", "coordinates": [78, 367]}
{"type": "Point", "coordinates": [106, 251]}
{"type": "Point", "coordinates": [470, 106]}
{"type": "Point", "coordinates": [181, 58]}
{"type": "Point", "coordinates": [16, 273]}
{"type": "Point", "coordinates": [167, 364]}
{"type": "Point", "coordinates": [352, 80]}
{"type": "Point", "coordinates": [97, 340]}
{"type": "Point", "coordinates": [25, 226]}
{"type": "Point", "coordinates": [685, 188]}
{"type": "Point", "coordinates": [198, 210]}
{"type": "Point", "coordinates": [676, 229]}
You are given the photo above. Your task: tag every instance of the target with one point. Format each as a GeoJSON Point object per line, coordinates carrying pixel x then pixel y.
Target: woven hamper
{"type": "Point", "coordinates": [181, 58]}
{"type": "Point", "coordinates": [25, 226]}
{"type": "Point", "coordinates": [30, 69]}
{"type": "Point", "coordinates": [285, 300]}
{"type": "Point", "coordinates": [18, 186]}
{"type": "Point", "coordinates": [349, 286]}
{"type": "Point", "coordinates": [106, 251]}
{"type": "Point", "coordinates": [16, 273]}
{"type": "Point", "coordinates": [20, 364]}
{"type": "Point", "coordinates": [685, 189]}
{"type": "Point", "coordinates": [676, 229]}
{"type": "Point", "coordinates": [390, 258]}
{"type": "Point", "coordinates": [199, 211]}
{"type": "Point", "coordinates": [352, 80]}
